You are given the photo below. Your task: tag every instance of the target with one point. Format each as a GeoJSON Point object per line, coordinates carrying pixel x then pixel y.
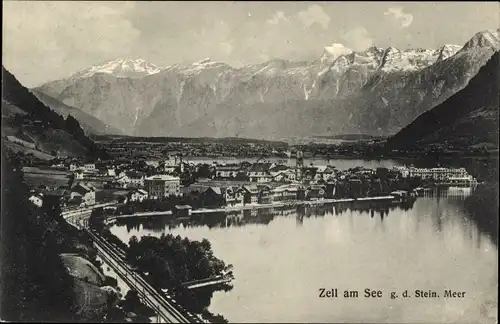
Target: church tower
{"type": "Point", "coordinates": [299, 164]}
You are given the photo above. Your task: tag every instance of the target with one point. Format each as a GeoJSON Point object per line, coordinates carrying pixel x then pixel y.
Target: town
{"type": "Point", "coordinates": [173, 182]}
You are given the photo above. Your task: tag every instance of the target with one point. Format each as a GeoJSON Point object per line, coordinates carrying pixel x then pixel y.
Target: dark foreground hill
{"type": "Point", "coordinates": [468, 119]}
{"type": "Point", "coordinates": [31, 127]}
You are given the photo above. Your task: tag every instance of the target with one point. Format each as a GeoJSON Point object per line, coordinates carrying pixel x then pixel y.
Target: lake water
{"type": "Point", "coordinates": [282, 258]}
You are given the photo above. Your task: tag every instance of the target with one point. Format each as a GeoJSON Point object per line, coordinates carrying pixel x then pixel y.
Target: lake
{"type": "Point", "coordinates": [283, 257]}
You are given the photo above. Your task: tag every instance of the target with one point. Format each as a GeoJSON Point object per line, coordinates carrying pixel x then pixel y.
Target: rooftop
{"type": "Point", "coordinates": [179, 207]}
{"type": "Point", "coordinates": [163, 177]}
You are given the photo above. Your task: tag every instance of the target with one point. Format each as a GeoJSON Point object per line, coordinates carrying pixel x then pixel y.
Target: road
{"type": "Point", "coordinates": [165, 306]}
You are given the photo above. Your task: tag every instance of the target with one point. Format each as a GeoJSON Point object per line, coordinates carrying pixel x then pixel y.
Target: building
{"type": "Point", "coordinates": [330, 189]}
{"type": "Point", "coordinates": [315, 192]}
{"type": "Point", "coordinates": [123, 181]}
{"type": "Point", "coordinates": [78, 175]}
{"type": "Point", "coordinates": [404, 171]}
{"type": "Point", "coordinates": [260, 172]}
{"type": "Point", "coordinates": [299, 164]}
{"type": "Point", "coordinates": [265, 194]}
{"type": "Point", "coordinates": [250, 194]}
{"type": "Point", "coordinates": [135, 179]}
{"type": "Point", "coordinates": [182, 210]}
{"type": "Point", "coordinates": [284, 176]}
{"type": "Point", "coordinates": [324, 173]}
{"type": "Point", "coordinates": [170, 164]}
{"type": "Point", "coordinates": [233, 196]}
{"type": "Point", "coordinates": [37, 200]}
{"type": "Point", "coordinates": [437, 174]}
{"type": "Point", "coordinates": [86, 192]}
{"type": "Point", "coordinates": [55, 199]}
{"type": "Point", "coordinates": [227, 171]}
{"type": "Point", "coordinates": [75, 165]}
{"type": "Point", "coordinates": [162, 185]}
{"type": "Point", "coordinates": [89, 167]}
{"type": "Point", "coordinates": [138, 195]}
{"type": "Point", "coordinates": [212, 197]}
{"type": "Point", "coordinates": [285, 193]}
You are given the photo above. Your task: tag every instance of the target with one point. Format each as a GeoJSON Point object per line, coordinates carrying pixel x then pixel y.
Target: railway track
{"type": "Point", "coordinates": [168, 309]}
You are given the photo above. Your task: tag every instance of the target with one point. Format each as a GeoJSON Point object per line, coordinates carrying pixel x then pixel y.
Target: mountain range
{"type": "Point", "coordinates": [375, 92]}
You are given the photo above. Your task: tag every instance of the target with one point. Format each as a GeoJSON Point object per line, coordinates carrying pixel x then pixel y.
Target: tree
{"type": "Point", "coordinates": [96, 219]}
{"type": "Point", "coordinates": [35, 284]}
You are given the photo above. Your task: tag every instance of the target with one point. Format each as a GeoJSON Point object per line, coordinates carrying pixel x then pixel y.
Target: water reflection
{"type": "Point", "coordinates": [259, 216]}
{"type": "Point", "coordinates": [282, 257]}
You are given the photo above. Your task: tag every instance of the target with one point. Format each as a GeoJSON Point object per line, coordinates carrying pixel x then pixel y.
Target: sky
{"type": "Point", "coordinates": [44, 40]}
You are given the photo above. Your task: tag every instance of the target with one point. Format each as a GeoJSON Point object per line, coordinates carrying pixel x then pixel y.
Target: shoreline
{"type": "Point", "coordinates": [255, 207]}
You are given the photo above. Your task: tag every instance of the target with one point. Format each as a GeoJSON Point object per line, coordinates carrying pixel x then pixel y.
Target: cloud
{"type": "Point", "coordinates": [314, 14]}
{"type": "Point", "coordinates": [277, 17]}
{"type": "Point", "coordinates": [358, 39]}
{"type": "Point", "coordinates": [398, 15]}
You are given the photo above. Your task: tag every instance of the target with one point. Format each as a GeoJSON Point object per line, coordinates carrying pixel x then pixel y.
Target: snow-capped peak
{"type": "Point", "coordinates": [486, 38]}
{"type": "Point", "coordinates": [204, 61]}
{"type": "Point", "coordinates": [121, 67]}
{"type": "Point", "coordinates": [331, 53]}
{"type": "Point", "coordinates": [446, 51]}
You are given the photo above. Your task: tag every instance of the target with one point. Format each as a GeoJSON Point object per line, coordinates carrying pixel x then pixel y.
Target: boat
{"type": "Point", "coordinates": [403, 196]}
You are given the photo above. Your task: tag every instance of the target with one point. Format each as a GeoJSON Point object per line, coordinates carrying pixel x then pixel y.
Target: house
{"type": "Point", "coordinates": [89, 167]}
{"type": "Point", "coordinates": [182, 210]}
{"type": "Point", "coordinates": [285, 193]}
{"type": "Point", "coordinates": [260, 172]}
{"type": "Point", "coordinates": [309, 173]}
{"type": "Point", "coordinates": [330, 189]}
{"type": "Point", "coordinates": [250, 194]}
{"type": "Point", "coordinates": [233, 196]}
{"type": "Point", "coordinates": [284, 176]}
{"type": "Point", "coordinates": [55, 199]}
{"type": "Point", "coordinates": [37, 200]}
{"type": "Point", "coordinates": [227, 171]}
{"type": "Point", "coordinates": [86, 192]}
{"type": "Point", "coordinates": [170, 164]}
{"type": "Point", "coordinates": [356, 187]}
{"type": "Point", "coordinates": [265, 195]}
{"type": "Point", "coordinates": [138, 195]}
{"type": "Point", "coordinates": [135, 179]}
{"type": "Point", "coordinates": [363, 171]}
{"type": "Point", "coordinates": [111, 172]}
{"type": "Point", "coordinates": [78, 175]}
{"type": "Point", "coordinates": [162, 185]}
{"type": "Point", "coordinates": [75, 165]}
{"type": "Point", "coordinates": [324, 173]}
{"type": "Point", "coordinates": [278, 167]}
{"type": "Point", "coordinates": [123, 181]}
{"type": "Point", "coordinates": [315, 192]}
{"type": "Point", "coordinates": [212, 197]}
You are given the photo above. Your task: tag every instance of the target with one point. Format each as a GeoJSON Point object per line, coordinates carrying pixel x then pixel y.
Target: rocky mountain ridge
{"type": "Point", "coordinates": [376, 91]}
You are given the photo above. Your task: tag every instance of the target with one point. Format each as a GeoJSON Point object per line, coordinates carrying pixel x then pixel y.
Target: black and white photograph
{"type": "Point", "coordinates": [249, 162]}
